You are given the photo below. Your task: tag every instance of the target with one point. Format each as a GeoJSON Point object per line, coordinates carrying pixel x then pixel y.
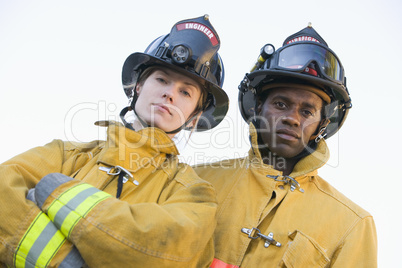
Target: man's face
{"type": "Point", "coordinates": [289, 117]}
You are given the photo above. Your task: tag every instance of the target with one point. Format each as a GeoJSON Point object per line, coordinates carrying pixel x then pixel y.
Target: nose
{"type": "Point", "coordinates": [169, 93]}
{"type": "Point", "coordinates": [291, 118]}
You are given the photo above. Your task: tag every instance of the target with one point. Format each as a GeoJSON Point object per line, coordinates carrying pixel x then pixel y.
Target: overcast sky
{"type": "Point", "coordinates": [60, 69]}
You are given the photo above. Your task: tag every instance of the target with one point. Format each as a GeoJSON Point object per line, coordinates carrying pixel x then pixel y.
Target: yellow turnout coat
{"type": "Point", "coordinates": [266, 219]}
{"type": "Point", "coordinates": [165, 216]}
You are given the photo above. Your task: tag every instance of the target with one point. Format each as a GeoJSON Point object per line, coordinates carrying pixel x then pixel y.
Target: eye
{"type": "Point", "coordinates": [307, 113]}
{"type": "Point", "coordinates": [280, 105]}
{"type": "Point", "coordinates": [161, 79]}
{"type": "Point", "coordinates": [186, 92]}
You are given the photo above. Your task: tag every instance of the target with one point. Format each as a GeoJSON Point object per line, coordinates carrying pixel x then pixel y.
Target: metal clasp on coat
{"type": "Point", "coordinates": [287, 179]}
{"type": "Point", "coordinates": [116, 170]}
{"type": "Point", "coordinates": [255, 233]}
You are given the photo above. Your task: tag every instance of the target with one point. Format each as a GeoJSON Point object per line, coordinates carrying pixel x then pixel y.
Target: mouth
{"type": "Point", "coordinates": [162, 107]}
{"type": "Point", "coordinates": [287, 134]}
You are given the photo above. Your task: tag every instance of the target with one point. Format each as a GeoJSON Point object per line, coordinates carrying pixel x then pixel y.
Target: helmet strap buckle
{"type": "Point", "coordinates": [320, 135]}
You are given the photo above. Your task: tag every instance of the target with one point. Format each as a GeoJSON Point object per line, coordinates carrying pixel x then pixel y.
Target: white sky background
{"type": "Point", "coordinates": [60, 70]}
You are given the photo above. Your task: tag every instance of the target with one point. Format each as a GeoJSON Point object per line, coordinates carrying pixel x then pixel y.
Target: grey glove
{"type": "Point", "coordinates": [31, 195]}
{"type": "Point", "coordinates": [47, 185]}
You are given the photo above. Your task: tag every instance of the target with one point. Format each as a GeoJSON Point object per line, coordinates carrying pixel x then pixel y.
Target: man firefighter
{"type": "Point", "coordinates": [274, 210]}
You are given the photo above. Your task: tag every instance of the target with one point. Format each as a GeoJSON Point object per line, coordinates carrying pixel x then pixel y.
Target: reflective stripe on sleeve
{"type": "Point", "coordinates": [220, 264]}
{"type": "Point", "coordinates": [74, 204]}
{"type": "Point", "coordinates": [39, 244]}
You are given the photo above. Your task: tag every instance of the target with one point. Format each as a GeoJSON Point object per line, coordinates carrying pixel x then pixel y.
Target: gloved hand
{"type": "Point", "coordinates": [31, 195]}
{"type": "Point", "coordinates": [47, 185]}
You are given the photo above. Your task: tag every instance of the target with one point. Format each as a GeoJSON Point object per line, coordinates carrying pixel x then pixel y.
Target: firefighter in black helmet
{"type": "Point", "coordinates": [126, 201]}
{"type": "Point", "coordinates": [304, 58]}
{"type": "Point", "coordinates": [191, 48]}
{"type": "Point", "coordinates": [285, 214]}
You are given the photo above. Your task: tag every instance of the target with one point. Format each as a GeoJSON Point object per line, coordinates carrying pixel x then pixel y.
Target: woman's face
{"type": "Point", "coordinates": [166, 99]}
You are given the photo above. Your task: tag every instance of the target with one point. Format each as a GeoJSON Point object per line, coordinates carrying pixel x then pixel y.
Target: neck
{"type": "Point", "coordinates": [285, 165]}
{"type": "Point", "coordinates": [137, 125]}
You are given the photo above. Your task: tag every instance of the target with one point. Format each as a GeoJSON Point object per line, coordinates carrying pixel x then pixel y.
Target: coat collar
{"type": "Point", "coordinates": [306, 165]}
{"type": "Point", "coordinates": [135, 150]}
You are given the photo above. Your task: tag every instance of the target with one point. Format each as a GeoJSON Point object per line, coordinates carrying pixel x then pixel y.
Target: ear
{"type": "Point", "coordinates": [137, 89]}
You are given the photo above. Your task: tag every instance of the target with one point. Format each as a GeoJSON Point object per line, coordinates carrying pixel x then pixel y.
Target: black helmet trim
{"type": "Point", "coordinates": [198, 42]}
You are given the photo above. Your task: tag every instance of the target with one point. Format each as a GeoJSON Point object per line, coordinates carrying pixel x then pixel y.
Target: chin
{"type": "Point", "coordinates": [166, 128]}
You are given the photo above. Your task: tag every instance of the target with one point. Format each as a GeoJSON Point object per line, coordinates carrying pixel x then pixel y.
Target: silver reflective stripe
{"type": "Point", "coordinates": [40, 243]}
{"type": "Point", "coordinates": [72, 205]}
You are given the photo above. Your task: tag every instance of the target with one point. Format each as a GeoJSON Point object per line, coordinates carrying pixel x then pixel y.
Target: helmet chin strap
{"type": "Point", "coordinates": [123, 112]}
{"type": "Point", "coordinates": [131, 107]}
{"type": "Point", "coordinates": [320, 135]}
{"type": "Point", "coordinates": [184, 126]}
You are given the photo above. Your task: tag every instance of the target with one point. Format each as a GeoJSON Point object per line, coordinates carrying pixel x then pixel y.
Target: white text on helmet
{"type": "Point", "coordinates": [303, 38]}
{"type": "Point", "coordinates": [200, 27]}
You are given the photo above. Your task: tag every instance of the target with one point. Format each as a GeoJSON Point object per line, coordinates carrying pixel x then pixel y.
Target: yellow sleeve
{"type": "Point", "coordinates": [23, 223]}
{"type": "Point", "coordinates": [359, 249]}
{"type": "Point", "coordinates": [175, 232]}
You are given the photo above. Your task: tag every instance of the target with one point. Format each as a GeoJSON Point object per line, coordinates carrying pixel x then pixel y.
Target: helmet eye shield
{"type": "Point", "coordinates": [299, 56]}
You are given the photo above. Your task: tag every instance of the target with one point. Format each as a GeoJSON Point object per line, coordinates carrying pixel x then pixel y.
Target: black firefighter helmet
{"type": "Point", "coordinates": [191, 48]}
{"type": "Point", "coordinates": [303, 59]}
